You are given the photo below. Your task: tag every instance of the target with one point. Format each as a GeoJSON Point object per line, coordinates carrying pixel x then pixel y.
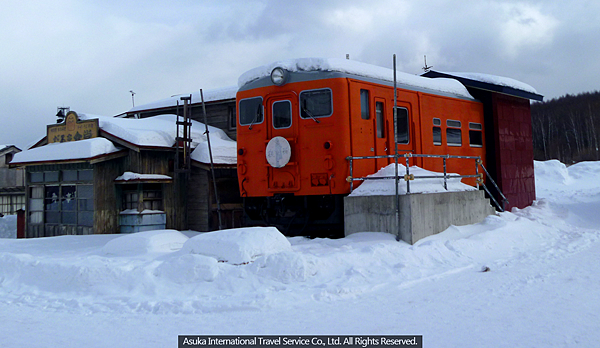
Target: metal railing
{"type": "Point", "coordinates": [409, 177]}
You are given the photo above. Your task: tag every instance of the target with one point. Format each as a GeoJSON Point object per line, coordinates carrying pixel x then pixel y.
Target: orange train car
{"type": "Point", "coordinates": [299, 120]}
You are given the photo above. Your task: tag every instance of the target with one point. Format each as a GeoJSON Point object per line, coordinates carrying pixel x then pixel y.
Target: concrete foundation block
{"type": "Point", "coordinates": [421, 214]}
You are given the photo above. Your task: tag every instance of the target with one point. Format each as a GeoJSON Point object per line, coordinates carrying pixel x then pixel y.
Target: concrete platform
{"type": "Point", "coordinates": [421, 214]}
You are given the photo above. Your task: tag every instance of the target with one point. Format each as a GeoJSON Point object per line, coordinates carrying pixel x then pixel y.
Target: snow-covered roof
{"type": "Point", "coordinates": [209, 96]}
{"type": "Point", "coordinates": [74, 150]}
{"type": "Point", "coordinates": [152, 132]}
{"type": "Point", "coordinates": [492, 83]}
{"type": "Point", "coordinates": [495, 80]}
{"type": "Point", "coordinates": [8, 146]}
{"type": "Point", "coordinates": [358, 69]}
{"type": "Point", "coordinates": [161, 131]}
{"type": "Point", "coordinates": [158, 131]}
{"type": "Point", "coordinates": [224, 150]}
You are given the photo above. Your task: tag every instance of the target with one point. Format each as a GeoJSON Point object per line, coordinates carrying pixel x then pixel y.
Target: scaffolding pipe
{"type": "Point", "coordinates": [212, 166]}
{"type": "Point", "coordinates": [398, 237]}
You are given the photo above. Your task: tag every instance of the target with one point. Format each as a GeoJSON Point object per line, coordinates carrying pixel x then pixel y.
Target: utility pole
{"type": "Point", "coordinates": [132, 100]}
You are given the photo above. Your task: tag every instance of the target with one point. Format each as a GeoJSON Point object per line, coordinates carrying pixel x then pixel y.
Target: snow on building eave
{"type": "Point", "coordinates": [360, 70]}
{"type": "Point", "coordinates": [131, 177]}
{"type": "Point", "coordinates": [210, 96]}
{"type": "Point", "coordinates": [206, 165]}
{"type": "Point", "coordinates": [89, 150]}
{"type": "Point", "coordinates": [494, 83]}
{"type": "Point", "coordinates": [4, 148]}
{"type": "Point", "coordinates": [92, 159]}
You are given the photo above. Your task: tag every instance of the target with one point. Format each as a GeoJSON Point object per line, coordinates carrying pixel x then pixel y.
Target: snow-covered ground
{"type": "Point", "coordinates": [142, 290]}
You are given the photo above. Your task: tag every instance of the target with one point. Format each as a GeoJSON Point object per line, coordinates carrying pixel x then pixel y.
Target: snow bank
{"type": "Point", "coordinates": [578, 182]}
{"type": "Point", "coordinates": [450, 86]}
{"type": "Point", "coordinates": [239, 245]}
{"type": "Point", "coordinates": [551, 172]}
{"type": "Point", "coordinates": [540, 264]}
{"type": "Point", "coordinates": [189, 269]}
{"type": "Point", "coordinates": [8, 226]}
{"type": "Point", "coordinates": [385, 187]}
{"type": "Point", "coordinates": [82, 149]}
{"type": "Point", "coordinates": [158, 241]}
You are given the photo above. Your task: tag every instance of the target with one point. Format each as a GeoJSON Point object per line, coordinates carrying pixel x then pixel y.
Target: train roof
{"type": "Point", "coordinates": [336, 68]}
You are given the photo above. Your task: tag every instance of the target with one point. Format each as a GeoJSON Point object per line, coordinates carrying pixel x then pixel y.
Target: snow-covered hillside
{"type": "Point", "coordinates": [539, 290]}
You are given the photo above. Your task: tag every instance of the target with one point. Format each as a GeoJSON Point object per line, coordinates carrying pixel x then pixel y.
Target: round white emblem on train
{"type": "Point", "coordinates": [279, 152]}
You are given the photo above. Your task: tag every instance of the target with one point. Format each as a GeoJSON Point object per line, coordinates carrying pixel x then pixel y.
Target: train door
{"type": "Point", "coordinates": [381, 140]}
{"type": "Point", "coordinates": [281, 149]}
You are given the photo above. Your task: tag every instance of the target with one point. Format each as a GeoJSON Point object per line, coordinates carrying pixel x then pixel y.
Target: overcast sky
{"type": "Point", "coordinates": [88, 55]}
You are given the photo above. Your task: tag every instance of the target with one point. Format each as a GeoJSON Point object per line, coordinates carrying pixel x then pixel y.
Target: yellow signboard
{"type": "Point", "coordinates": [72, 129]}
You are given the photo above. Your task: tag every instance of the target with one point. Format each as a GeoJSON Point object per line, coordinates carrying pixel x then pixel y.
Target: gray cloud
{"type": "Point", "coordinates": [88, 56]}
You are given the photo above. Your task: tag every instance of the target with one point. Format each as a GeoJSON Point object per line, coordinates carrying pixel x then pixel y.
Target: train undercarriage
{"type": "Point", "coordinates": [313, 216]}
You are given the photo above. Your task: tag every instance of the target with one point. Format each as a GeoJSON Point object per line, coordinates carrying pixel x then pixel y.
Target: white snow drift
{"type": "Point", "coordinates": [542, 265]}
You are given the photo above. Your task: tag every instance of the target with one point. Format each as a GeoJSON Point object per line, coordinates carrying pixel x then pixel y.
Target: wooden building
{"type": "Point", "coordinates": [12, 182]}
{"type": "Point", "coordinates": [509, 139]}
{"type": "Point", "coordinates": [220, 106]}
{"type": "Point", "coordinates": [94, 174]}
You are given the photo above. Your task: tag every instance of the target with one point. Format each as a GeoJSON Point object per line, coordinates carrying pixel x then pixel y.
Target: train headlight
{"type": "Point", "coordinates": [279, 76]}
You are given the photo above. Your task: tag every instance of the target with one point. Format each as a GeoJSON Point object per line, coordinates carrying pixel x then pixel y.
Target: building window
{"type": "Point", "coordinates": [475, 134]}
{"type": "Point", "coordinates": [380, 119]}
{"type": "Point", "coordinates": [36, 204]}
{"type": "Point", "coordinates": [232, 117]}
{"type": "Point", "coordinates": [316, 103]}
{"type": "Point", "coordinates": [251, 111]}
{"type": "Point", "coordinates": [453, 133]}
{"type": "Point", "coordinates": [9, 204]}
{"type": "Point", "coordinates": [43, 176]}
{"type": "Point", "coordinates": [68, 202]}
{"type": "Point", "coordinates": [69, 205]}
{"type": "Point", "coordinates": [365, 111]}
{"type": "Point", "coordinates": [282, 114]}
{"type": "Point", "coordinates": [148, 195]}
{"type": "Point", "coordinates": [402, 126]}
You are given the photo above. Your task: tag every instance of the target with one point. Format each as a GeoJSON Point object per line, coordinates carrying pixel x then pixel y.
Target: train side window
{"type": "Point", "coordinates": [475, 134]}
{"type": "Point", "coordinates": [437, 131]}
{"type": "Point", "coordinates": [365, 112]}
{"type": "Point", "coordinates": [282, 114]}
{"type": "Point", "coordinates": [251, 111]}
{"type": "Point", "coordinates": [402, 129]}
{"type": "Point", "coordinates": [453, 133]}
{"type": "Point", "coordinates": [380, 119]}
{"type": "Point", "coordinates": [316, 103]}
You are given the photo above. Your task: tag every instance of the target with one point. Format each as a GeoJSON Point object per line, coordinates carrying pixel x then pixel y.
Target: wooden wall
{"type": "Point", "coordinates": [106, 199]}
{"type": "Point", "coordinates": [198, 200]}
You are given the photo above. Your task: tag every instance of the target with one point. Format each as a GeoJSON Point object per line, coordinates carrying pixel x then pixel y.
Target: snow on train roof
{"type": "Point", "coordinates": [495, 80]}
{"type": "Point", "coordinates": [359, 69]}
{"type": "Point", "coordinates": [209, 96]}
